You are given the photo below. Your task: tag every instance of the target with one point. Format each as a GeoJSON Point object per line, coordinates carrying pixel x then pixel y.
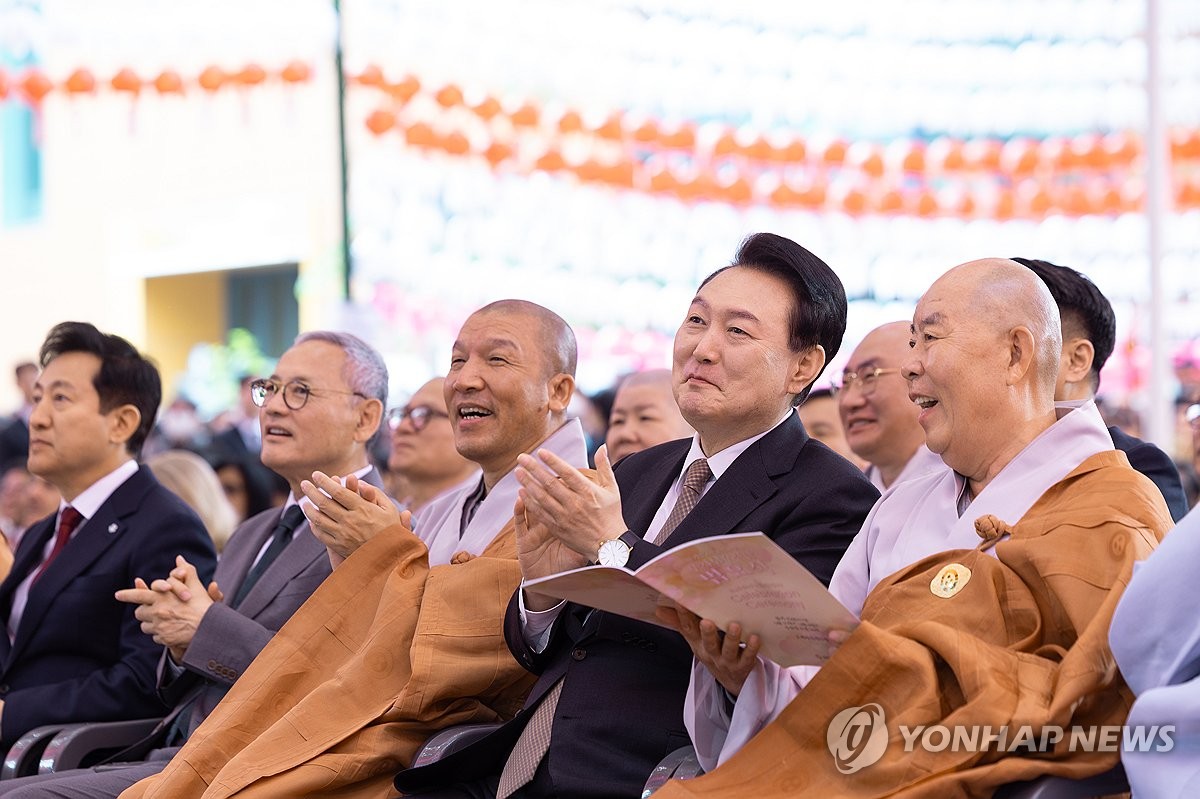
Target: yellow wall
{"type": "Point", "coordinates": [181, 311]}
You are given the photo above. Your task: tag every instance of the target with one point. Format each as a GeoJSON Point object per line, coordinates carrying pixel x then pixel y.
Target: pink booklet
{"type": "Point", "coordinates": [741, 577]}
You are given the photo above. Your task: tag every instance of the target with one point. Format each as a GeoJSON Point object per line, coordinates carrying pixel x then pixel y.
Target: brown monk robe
{"type": "Point", "coordinates": [386, 652]}
{"type": "Point", "coordinates": [1022, 641]}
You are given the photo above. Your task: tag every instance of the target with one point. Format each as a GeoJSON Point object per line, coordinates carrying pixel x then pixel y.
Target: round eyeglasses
{"type": "Point", "coordinates": [866, 380]}
{"type": "Point", "coordinates": [295, 393]}
{"type": "Point", "coordinates": [418, 416]}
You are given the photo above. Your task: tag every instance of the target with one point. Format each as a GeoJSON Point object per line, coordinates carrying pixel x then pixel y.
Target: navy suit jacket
{"type": "Point", "coordinates": [1155, 464]}
{"type": "Point", "coordinates": [621, 708]}
{"type": "Point", "coordinates": [79, 654]}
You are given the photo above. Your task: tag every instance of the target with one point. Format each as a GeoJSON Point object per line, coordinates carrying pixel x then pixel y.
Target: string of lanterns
{"type": "Point", "coordinates": [986, 177]}
{"type": "Point", "coordinates": [34, 85]}
{"type": "Point", "coordinates": [977, 178]}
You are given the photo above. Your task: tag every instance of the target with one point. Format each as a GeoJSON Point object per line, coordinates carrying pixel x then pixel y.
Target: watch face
{"type": "Point", "coordinates": [613, 553]}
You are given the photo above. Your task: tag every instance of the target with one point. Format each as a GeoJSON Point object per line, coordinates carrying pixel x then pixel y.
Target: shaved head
{"type": "Point", "coordinates": [644, 414]}
{"type": "Point", "coordinates": [559, 351]}
{"type": "Point", "coordinates": [986, 349]}
{"type": "Point", "coordinates": [1004, 295]}
{"type": "Point", "coordinates": [651, 377]}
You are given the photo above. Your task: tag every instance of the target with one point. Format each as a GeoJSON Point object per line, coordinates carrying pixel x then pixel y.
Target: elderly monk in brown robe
{"type": "Point", "coordinates": [985, 592]}
{"type": "Point", "coordinates": [399, 641]}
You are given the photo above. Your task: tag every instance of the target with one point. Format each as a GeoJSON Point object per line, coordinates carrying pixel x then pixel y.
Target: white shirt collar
{"type": "Point", "coordinates": [720, 461]}
{"type": "Point", "coordinates": [95, 495]}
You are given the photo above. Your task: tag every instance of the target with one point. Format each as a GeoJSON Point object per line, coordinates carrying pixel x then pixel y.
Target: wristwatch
{"type": "Point", "coordinates": [615, 551]}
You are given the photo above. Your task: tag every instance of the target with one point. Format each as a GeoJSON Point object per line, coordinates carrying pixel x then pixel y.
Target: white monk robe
{"type": "Point", "coordinates": [915, 519]}
{"type": "Point", "coordinates": [922, 462]}
{"type": "Point", "coordinates": [1155, 637]}
{"type": "Point", "coordinates": [437, 524]}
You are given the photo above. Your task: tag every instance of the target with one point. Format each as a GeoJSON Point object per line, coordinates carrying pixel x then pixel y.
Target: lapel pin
{"type": "Point", "coordinates": [112, 528]}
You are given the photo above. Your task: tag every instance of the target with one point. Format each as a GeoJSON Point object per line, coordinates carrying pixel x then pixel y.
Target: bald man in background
{"type": "Point", "coordinates": [423, 452]}
{"type": "Point", "coordinates": [879, 420]}
{"type": "Point", "coordinates": [644, 414]}
{"type": "Point", "coordinates": [985, 590]}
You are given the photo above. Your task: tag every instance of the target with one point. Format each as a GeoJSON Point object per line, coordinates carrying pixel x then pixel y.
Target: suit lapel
{"type": "Point", "coordinates": [647, 494]}
{"type": "Point", "coordinates": [298, 556]}
{"type": "Point", "coordinates": [745, 485]}
{"type": "Point", "coordinates": [95, 536]}
{"type": "Point", "coordinates": [26, 558]}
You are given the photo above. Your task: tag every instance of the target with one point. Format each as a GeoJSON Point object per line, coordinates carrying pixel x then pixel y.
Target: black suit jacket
{"type": "Point", "coordinates": [1155, 464]}
{"type": "Point", "coordinates": [79, 654]}
{"type": "Point", "coordinates": [621, 708]}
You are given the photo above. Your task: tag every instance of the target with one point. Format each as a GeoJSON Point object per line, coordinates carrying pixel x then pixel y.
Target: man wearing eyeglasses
{"type": "Point", "coordinates": [423, 453]}
{"type": "Point", "coordinates": [879, 420]}
{"type": "Point", "coordinates": [318, 411]}
{"type": "Point", "coordinates": [406, 637]}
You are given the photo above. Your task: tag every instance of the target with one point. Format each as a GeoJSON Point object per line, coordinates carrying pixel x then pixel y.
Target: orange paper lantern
{"type": "Point", "coordinates": [1019, 157]}
{"type": "Point", "coordinates": [550, 161]}
{"type": "Point", "coordinates": [35, 86]}
{"type": "Point", "coordinates": [420, 134]}
{"type": "Point", "coordinates": [663, 180]}
{"type": "Point", "coordinates": [296, 72]}
{"type": "Point", "coordinates": [449, 96]}
{"type": "Point", "coordinates": [487, 108]}
{"type": "Point", "coordinates": [647, 132]}
{"type": "Point", "coordinates": [168, 81]}
{"type": "Point", "coordinates": [381, 121]}
{"type": "Point", "coordinates": [81, 81]}
{"type": "Point", "coordinates": [725, 144]}
{"type": "Point", "coordinates": [526, 116]}
{"type": "Point", "coordinates": [791, 152]}
{"type": "Point", "coordinates": [570, 122]}
{"type": "Point", "coordinates": [497, 152]}
{"type": "Point", "coordinates": [3, 84]}
{"type": "Point", "coordinates": [944, 155]}
{"type": "Point", "coordinates": [371, 75]}
{"type": "Point", "coordinates": [251, 75]}
{"type": "Point", "coordinates": [834, 152]}
{"type": "Point", "coordinates": [853, 202]}
{"type": "Point", "coordinates": [682, 137]}
{"type": "Point", "coordinates": [404, 89]}
{"type": "Point", "coordinates": [126, 80]}
{"type": "Point", "coordinates": [212, 78]}
{"type": "Point", "coordinates": [456, 144]}
{"type": "Point", "coordinates": [611, 128]}
{"type": "Point", "coordinates": [866, 157]}
{"type": "Point", "coordinates": [889, 201]}
{"type": "Point", "coordinates": [982, 154]}
{"type": "Point", "coordinates": [620, 174]}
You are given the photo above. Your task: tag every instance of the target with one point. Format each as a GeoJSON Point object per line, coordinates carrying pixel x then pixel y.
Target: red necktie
{"type": "Point", "coordinates": [68, 520]}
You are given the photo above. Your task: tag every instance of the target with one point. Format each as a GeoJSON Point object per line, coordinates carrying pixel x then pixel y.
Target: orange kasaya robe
{"type": "Point", "coordinates": [386, 652]}
{"type": "Point", "coordinates": [1023, 643]}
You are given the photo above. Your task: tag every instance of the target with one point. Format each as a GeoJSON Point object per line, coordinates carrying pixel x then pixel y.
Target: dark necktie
{"type": "Point", "coordinates": [280, 538]}
{"type": "Point", "coordinates": [694, 480]}
{"type": "Point", "coordinates": [68, 520]}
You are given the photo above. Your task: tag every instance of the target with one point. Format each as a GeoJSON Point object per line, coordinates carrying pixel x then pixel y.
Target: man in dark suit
{"type": "Point", "coordinates": [318, 412]}
{"type": "Point", "coordinates": [610, 693]}
{"type": "Point", "coordinates": [1089, 332]}
{"type": "Point", "coordinates": [72, 652]}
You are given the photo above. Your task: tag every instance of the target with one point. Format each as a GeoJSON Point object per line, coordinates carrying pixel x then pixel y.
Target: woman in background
{"type": "Point", "coordinates": [195, 482]}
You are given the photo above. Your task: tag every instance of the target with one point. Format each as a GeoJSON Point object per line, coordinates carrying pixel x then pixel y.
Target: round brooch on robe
{"type": "Point", "coordinates": [950, 580]}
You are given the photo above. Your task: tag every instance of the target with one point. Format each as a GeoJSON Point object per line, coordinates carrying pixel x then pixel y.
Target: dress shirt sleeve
{"type": "Point", "coordinates": [536, 625]}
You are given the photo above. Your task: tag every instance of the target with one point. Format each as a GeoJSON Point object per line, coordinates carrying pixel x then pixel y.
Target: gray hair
{"type": "Point", "coordinates": [365, 370]}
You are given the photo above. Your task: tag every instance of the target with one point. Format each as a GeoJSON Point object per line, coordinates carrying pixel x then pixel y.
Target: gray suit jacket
{"type": "Point", "coordinates": [227, 640]}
